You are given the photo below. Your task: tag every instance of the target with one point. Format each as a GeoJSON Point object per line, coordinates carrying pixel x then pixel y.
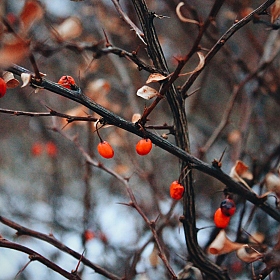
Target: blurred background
{"type": "Point", "coordinates": [45, 182]}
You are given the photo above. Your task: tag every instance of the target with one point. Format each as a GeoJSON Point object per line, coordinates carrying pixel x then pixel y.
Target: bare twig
{"type": "Point", "coordinates": [125, 17]}
{"type": "Point", "coordinates": [49, 114]}
{"type": "Point", "coordinates": [34, 256]}
{"type": "Point", "coordinates": [238, 25]}
{"type": "Point", "coordinates": [229, 108]}
{"type": "Point", "coordinates": [53, 241]}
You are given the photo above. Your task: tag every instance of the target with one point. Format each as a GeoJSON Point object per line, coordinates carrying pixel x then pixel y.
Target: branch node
{"type": "Point", "coordinates": [182, 219]}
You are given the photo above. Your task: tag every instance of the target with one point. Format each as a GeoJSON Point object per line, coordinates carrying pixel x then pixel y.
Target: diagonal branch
{"type": "Point", "coordinates": [235, 27]}
{"type": "Point", "coordinates": [34, 256]}
{"type": "Point", "coordinates": [117, 121]}
{"type": "Point", "coordinates": [53, 241]}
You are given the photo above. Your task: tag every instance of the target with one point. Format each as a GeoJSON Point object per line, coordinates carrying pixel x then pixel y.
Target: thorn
{"type": "Point", "coordinates": [79, 262]}
{"type": "Point", "coordinates": [108, 44]}
{"type": "Point", "coordinates": [218, 163]}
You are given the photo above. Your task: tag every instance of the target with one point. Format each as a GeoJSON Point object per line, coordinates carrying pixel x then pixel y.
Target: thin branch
{"type": "Point", "coordinates": [133, 202]}
{"type": "Point", "coordinates": [227, 35]}
{"type": "Point", "coordinates": [49, 114]}
{"type": "Point", "coordinates": [97, 51]}
{"type": "Point", "coordinates": [152, 226]}
{"type": "Point", "coordinates": [125, 17]}
{"type": "Point", "coordinates": [53, 241]}
{"type": "Point", "coordinates": [34, 256]}
{"type": "Point", "coordinates": [229, 108]}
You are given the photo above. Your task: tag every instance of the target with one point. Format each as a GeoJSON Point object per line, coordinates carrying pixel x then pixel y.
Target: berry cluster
{"type": "Point", "coordinates": [143, 147]}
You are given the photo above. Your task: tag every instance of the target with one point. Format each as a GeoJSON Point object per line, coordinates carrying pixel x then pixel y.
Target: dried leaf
{"type": "Point", "coordinates": [190, 272]}
{"type": "Point", "coordinates": [222, 245]}
{"type": "Point", "coordinates": [26, 78]}
{"type": "Point", "coordinates": [257, 237]}
{"type": "Point", "coordinates": [70, 28]}
{"type": "Point", "coordinates": [199, 66]}
{"type": "Point", "coordinates": [181, 17]}
{"type": "Point", "coordinates": [239, 172]}
{"type": "Point", "coordinates": [275, 11]}
{"type": "Point", "coordinates": [155, 77]}
{"type": "Point", "coordinates": [154, 258]}
{"type": "Point", "coordinates": [135, 118]}
{"type": "Point", "coordinates": [272, 183]}
{"type": "Point", "coordinates": [12, 52]}
{"type": "Point", "coordinates": [246, 254]}
{"type": "Point", "coordinates": [147, 92]}
{"type": "Point", "coordinates": [32, 11]}
{"type": "Point", "coordinates": [10, 80]}
{"type": "Point", "coordinates": [242, 170]}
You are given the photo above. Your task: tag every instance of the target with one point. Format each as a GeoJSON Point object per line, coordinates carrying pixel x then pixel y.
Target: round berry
{"type": "Point", "coordinates": [228, 207]}
{"type": "Point", "coordinates": [3, 87]}
{"type": "Point", "coordinates": [51, 149]}
{"type": "Point", "coordinates": [176, 190]}
{"type": "Point", "coordinates": [144, 146]}
{"type": "Point", "coordinates": [88, 235]}
{"type": "Point", "coordinates": [220, 219]}
{"type": "Point", "coordinates": [37, 149]}
{"type": "Point", "coordinates": [105, 149]}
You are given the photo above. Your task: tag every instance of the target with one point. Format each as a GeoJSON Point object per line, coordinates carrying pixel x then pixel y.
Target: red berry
{"type": "Point", "coordinates": [88, 235]}
{"type": "Point", "coordinates": [176, 190]}
{"type": "Point", "coordinates": [144, 146]}
{"type": "Point", "coordinates": [3, 87]}
{"type": "Point", "coordinates": [220, 219]}
{"type": "Point", "coordinates": [51, 149]}
{"type": "Point", "coordinates": [37, 149]}
{"type": "Point", "coordinates": [228, 207]}
{"type": "Point", "coordinates": [67, 82]}
{"type": "Point", "coordinates": [105, 149]}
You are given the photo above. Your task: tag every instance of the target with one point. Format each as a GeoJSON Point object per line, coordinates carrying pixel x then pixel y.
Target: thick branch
{"type": "Point", "coordinates": [117, 121]}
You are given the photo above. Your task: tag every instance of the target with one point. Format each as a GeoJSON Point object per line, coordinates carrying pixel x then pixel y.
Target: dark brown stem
{"type": "Point", "coordinates": [34, 256]}
{"type": "Point", "coordinates": [49, 114]}
{"type": "Point", "coordinates": [186, 157]}
{"type": "Point", "coordinates": [238, 25]}
{"type": "Point", "coordinates": [177, 107]}
{"type": "Point", "coordinates": [53, 241]}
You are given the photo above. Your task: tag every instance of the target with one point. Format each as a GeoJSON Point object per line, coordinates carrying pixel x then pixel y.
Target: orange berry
{"type": "Point", "coordinates": [37, 149]}
{"type": "Point", "coordinates": [176, 190]}
{"type": "Point", "coordinates": [67, 82]}
{"type": "Point", "coordinates": [220, 219]}
{"type": "Point", "coordinates": [88, 235]}
{"type": "Point", "coordinates": [144, 146]}
{"type": "Point", "coordinates": [105, 149]}
{"type": "Point", "coordinates": [51, 149]}
{"type": "Point", "coordinates": [3, 87]}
